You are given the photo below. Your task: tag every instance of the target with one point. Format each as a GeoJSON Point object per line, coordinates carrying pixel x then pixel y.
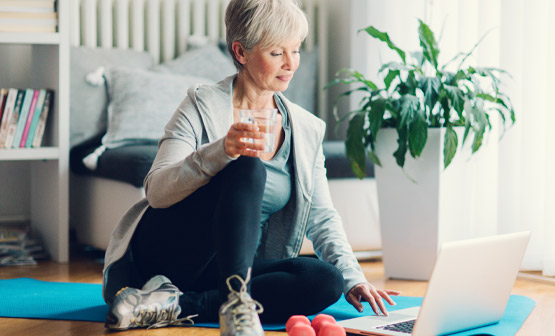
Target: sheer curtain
{"type": "Point", "coordinates": [527, 162]}
{"type": "Point", "coordinates": [523, 43]}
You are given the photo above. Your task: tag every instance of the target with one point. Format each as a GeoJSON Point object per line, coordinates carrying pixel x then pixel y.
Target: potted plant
{"type": "Point", "coordinates": [429, 111]}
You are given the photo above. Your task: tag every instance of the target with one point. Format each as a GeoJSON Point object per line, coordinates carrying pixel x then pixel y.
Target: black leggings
{"type": "Point", "coordinates": [212, 234]}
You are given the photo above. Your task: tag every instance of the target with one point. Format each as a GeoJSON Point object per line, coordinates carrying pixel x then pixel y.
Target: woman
{"type": "Point", "coordinates": [224, 220]}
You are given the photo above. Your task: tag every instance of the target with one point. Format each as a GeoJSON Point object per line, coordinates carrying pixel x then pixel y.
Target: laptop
{"type": "Point", "coordinates": [469, 288]}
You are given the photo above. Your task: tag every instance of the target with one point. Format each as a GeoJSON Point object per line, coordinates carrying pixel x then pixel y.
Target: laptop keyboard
{"type": "Point", "coordinates": [403, 327]}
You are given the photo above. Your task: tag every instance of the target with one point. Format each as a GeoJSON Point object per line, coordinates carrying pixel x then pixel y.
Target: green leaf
{"type": "Point", "coordinates": [374, 158]}
{"type": "Point", "coordinates": [401, 151]}
{"type": "Point", "coordinates": [357, 77]}
{"type": "Point", "coordinates": [418, 57]}
{"type": "Point", "coordinates": [394, 66]}
{"type": "Point", "coordinates": [468, 121]}
{"type": "Point", "coordinates": [467, 126]}
{"type": "Point", "coordinates": [418, 134]}
{"type": "Point", "coordinates": [391, 75]}
{"type": "Point", "coordinates": [354, 145]}
{"type": "Point", "coordinates": [501, 115]}
{"type": "Point", "coordinates": [506, 102]}
{"type": "Point", "coordinates": [375, 116]}
{"type": "Point", "coordinates": [480, 123]}
{"type": "Point", "coordinates": [444, 102]}
{"type": "Point", "coordinates": [430, 87]}
{"type": "Point", "coordinates": [409, 107]}
{"type": "Point", "coordinates": [450, 145]}
{"type": "Point", "coordinates": [384, 37]}
{"type": "Point", "coordinates": [489, 73]}
{"type": "Point", "coordinates": [344, 94]}
{"type": "Point", "coordinates": [428, 43]}
{"type": "Point", "coordinates": [456, 97]}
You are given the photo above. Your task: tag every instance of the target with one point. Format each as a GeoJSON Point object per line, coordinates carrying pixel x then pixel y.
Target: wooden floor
{"type": "Point", "coordinates": [86, 269]}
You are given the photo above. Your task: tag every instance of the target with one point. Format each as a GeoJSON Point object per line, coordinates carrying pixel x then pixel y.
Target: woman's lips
{"type": "Point", "coordinates": [285, 78]}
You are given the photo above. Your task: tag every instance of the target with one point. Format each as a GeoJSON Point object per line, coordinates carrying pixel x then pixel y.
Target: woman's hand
{"type": "Point", "coordinates": [367, 292]}
{"type": "Point", "coordinates": [237, 140]}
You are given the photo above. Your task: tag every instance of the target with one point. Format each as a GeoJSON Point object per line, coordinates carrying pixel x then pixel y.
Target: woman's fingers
{"type": "Point", "coordinates": [375, 297]}
{"type": "Point", "coordinates": [239, 140]}
{"type": "Point", "coordinates": [375, 300]}
{"type": "Point", "coordinates": [386, 295]}
{"type": "Point", "coordinates": [354, 301]}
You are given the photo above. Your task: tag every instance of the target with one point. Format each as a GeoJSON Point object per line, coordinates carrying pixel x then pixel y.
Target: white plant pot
{"type": "Point", "coordinates": [440, 205]}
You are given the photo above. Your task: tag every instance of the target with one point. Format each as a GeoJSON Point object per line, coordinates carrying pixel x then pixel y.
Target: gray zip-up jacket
{"type": "Point", "coordinates": [192, 151]}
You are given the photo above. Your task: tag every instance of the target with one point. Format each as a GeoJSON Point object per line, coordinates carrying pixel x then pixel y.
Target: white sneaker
{"type": "Point", "coordinates": [239, 314]}
{"type": "Point", "coordinates": [156, 305]}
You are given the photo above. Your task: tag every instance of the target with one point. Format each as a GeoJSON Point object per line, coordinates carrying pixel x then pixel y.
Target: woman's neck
{"type": "Point", "coordinates": [247, 96]}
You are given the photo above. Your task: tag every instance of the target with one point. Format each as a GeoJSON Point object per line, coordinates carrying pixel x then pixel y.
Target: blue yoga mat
{"type": "Point", "coordinates": [30, 298]}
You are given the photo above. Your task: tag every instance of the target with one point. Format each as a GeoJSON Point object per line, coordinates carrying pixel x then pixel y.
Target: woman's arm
{"type": "Point", "coordinates": [183, 164]}
{"type": "Point", "coordinates": [325, 230]}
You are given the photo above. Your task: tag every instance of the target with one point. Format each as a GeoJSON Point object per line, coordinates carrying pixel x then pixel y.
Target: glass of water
{"type": "Point", "coordinates": [265, 119]}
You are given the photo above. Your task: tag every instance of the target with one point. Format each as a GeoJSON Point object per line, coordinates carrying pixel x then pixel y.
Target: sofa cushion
{"type": "Point", "coordinates": [131, 163]}
{"type": "Point", "coordinates": [128, 164]}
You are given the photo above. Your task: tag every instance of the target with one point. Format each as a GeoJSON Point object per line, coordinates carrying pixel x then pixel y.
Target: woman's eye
{"type": "Point", "coordinates": [275, 54]}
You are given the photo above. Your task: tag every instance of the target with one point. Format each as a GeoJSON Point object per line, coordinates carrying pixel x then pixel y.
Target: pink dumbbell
{"type": "Point", "coordinates": [299, 325]}
{"type": "Point", "coordinates": [319, 320]}
{"type": "Point", "coordinates": [325, 325]}
{"type": "Point", "coordinates": [331, 329]}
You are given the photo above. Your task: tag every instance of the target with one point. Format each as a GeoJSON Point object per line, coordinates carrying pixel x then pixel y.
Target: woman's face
{"type": "Point", "coordinates": [272, 68]}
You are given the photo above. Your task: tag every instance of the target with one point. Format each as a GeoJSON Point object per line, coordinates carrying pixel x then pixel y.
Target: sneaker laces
{"type": "Point", "coordinates": [242, 303]}
{"type": "Point", "coordinates": [155, 317]}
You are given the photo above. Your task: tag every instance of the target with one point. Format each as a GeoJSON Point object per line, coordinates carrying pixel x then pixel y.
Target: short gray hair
{"type": "Point", "coordinates": [263, 23]}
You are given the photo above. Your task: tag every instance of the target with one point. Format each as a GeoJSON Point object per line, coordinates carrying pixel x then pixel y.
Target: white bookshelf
{"type": "Point", "coordinates": [42, 173]}
{"type": "Point", "coordinates": [30, 38]}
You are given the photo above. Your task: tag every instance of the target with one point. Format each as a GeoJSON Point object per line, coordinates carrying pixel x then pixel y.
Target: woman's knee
{"type": "Point", "coordinates": [245, 171]}
{"type": "Point", "coordinates": [332, 279]}
{"type": "Point", "coordinates": [325, 281]}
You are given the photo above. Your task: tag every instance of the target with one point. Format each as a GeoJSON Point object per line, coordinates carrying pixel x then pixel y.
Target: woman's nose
{"type": "Point", "coordinates": [291, 62]}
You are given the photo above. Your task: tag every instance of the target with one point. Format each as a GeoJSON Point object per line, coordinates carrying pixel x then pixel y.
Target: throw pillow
{"type": "Point", "coordinates": [141, 103]}
{"type": "Point", "coordinates": [88, 103]}
{"type": "Point", "coordinates": [203, 61]}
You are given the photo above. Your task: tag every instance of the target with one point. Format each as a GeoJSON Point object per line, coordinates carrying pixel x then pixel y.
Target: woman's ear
{"type": "Point", "coordinates": [240, 52]}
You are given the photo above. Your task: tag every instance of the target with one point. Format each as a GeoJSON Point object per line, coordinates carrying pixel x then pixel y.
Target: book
{"type": "Point", "coordinates": [12, 123]}
{"type": "Point", "coordinates": [18, 246]}
{"type": "Point", "coordinates": [48, 101]}
{"type": "Point", "coordinates": [29, 93]}
{"type": "Point", "coordinates": [3, 98]}
{"type": "Point", "coordinates": [12, 234]}
{"type": "Point", "coordinates": [27, 29]}
{"type": "Point", "coordinates": [29, 119]}
{"type": "Point", "coordinates": [36, 117]}
{"type": "Point", "coordinates": [27, 5]}
{"type": "Point", "coordinates": [28, 15]}
{"type": "Point", "coordinates": [6, 116]}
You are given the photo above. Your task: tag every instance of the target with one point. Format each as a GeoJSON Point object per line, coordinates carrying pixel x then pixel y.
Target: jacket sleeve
{"type": "Point", "coordinates": [325, 230]}
{"type": "Point", "coordinates": [183, 164]}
